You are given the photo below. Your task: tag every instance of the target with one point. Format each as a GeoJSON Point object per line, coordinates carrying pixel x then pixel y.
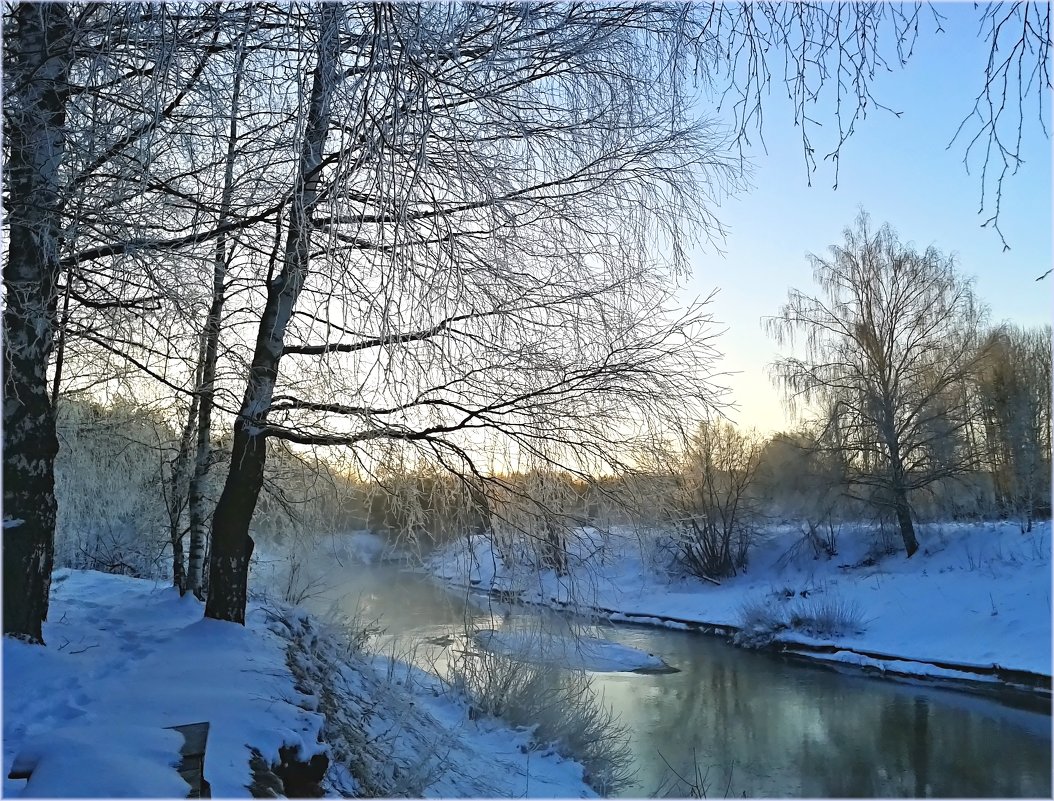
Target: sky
{"type": "Point", "coordinates": [900, 171]}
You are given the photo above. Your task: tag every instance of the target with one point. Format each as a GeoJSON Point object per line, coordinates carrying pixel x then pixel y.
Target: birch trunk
{"type": "Point", "coordinates": [178, 481]}
{"type": "Point", "coordinates": [198, 517]}
{"type": "Point", "coordinates": [231, 544]}
{"type": "Point", "coordinates": [37, 60]}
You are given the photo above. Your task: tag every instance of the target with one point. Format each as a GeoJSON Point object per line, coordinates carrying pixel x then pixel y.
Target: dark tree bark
{"type": "Point", "coordinates": [232, 546]}
{"type": "Point", "coordinates": [898, 483]}
{"type": "Point", "coordinates": [907, 528]}
{"type": "Point", "coordinates": [37, 58]}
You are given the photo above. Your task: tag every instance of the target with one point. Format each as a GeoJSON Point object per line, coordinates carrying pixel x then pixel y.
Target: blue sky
{"type": "Point", "coordinates": [901, 171]}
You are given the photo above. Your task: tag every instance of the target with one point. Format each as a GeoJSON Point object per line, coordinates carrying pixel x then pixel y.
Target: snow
{"type": "Point", "coordinates": [576, 653]}
{"type": "Point", "coordinates": [487, 759]}
{"type": "Point", "coordinates": [126, 658]}
{"type": "Point", "coordinates": [131, 761]}
{"type": "Point", "coordinates": [897, 666]}
{"type": "Point", "coordinates": [974, 596]}
{"type": "Point", "coordinates": [122, 649]}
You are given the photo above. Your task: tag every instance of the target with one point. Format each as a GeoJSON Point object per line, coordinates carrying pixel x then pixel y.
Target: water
{"type": "Point", "coordinates": [742, 722]}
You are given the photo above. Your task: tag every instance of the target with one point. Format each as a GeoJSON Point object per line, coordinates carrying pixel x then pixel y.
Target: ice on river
{"type": "Point", "coordinates": [574, 652]}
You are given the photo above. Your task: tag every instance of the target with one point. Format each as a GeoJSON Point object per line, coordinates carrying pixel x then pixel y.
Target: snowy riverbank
{"type": "Point", "coordinates": [127, 657]}
{"type": "Point", "coordinates": [974, 604]}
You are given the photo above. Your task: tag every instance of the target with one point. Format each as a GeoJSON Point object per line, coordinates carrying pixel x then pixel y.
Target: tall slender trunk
{"type": "Point", "coordinates": [198, 517]}
{"type": "Point", "coordinates": [60, 347]}
{"type": "Point", "coordinates": [232, 546]}
{"type": "Point", "coordinates": [178, 482]}
{"type": "Point", "coordinates": [37, 59]}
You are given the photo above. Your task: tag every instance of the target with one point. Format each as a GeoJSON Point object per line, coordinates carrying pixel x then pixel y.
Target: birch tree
{"type": "Point", "coordinates": [487, 202]}
{"type": "Point", "coordinates": [885, 345]}
{"type": "Point", "coordinates": [231, 544]}
{"type": "Point", "coordinates": [88, 91]}
{"type": "Point", "coordinates": [38, 55]}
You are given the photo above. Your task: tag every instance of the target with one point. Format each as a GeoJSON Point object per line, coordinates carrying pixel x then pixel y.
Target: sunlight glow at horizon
{"type": "Point", "coordinates": [901, 171]}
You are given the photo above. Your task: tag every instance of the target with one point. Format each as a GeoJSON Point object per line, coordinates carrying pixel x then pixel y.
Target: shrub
{"type": "Point", "coordinates": [559, 704]}
{"type": "Point", "coordinates": [760, 619]}
{"type": "Point", "coordinates": [827, 616]}
{"type": "Point", "coordinates": [759, 615]}
{"type": "Point", "coordinates": [713, 507]}
{"type": "Point", "coordinates": [820, 615]}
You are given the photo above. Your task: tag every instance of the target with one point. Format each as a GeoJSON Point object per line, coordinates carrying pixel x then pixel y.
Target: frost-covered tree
{"type": "Point", "coordinates": [469, 250]}
{"type": "Point", "coordinates": [112, 464]}
{"type": "Point", "coordinates": [89, 91]}
{"type": "Point", "coordinates": [885, 346]}
{"type": "Point", "coordinates": [715, 507]}
{"type": "Point", "coordinates": [1014, 387]}
{"type": "Point", "coordinates": [38, 55]}
{"type": "Point", "coordinates": [514, 181]}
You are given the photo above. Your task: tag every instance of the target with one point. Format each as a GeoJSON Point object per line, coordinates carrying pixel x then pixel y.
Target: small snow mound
{"type": "Point", "coordinates": [102, 760]}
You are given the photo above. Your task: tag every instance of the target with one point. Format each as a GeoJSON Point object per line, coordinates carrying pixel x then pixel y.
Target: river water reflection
{"type": "Point", "coordinates": [751, 722]}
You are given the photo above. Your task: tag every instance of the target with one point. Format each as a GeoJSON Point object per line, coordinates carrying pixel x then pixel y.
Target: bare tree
{"type": "Point", "coordinates": [714, 506]}
{"type": "Point", "coordinates": [486, 210]}
{"type": "Point", "coordinates": [138, 164]}
{"type": "Point", "coordinates": [885, 346]}
{"type": "Point", "coordinates": [1016, 85]}
{"type": "Point", "coordinates": [209, 355]}
{"type": "Point", "coordinates": [231, 544]}
{"type": "Point", "coordinates": [38, 54]}
{"type": "Point", "coordinates": [1014, 385]}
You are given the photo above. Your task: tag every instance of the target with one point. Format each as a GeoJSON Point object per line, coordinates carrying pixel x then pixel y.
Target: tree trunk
{"type": "Point", "coordinates": [37, 59]}
{"type": "Point", "coordinates": [178, 494]}
{"type": "Point", "coordinates": [232, 547]}
{"type": "Point", "coordinates": [231, 544]}
{"type": "Point", "coordinates": [207, 380]}
{"type": "Point", "coordinates": [898, 476]}
{"type": "Point", "coordinates": [907, 528]}
{"type": "Point", "coordinates": [900, 497]}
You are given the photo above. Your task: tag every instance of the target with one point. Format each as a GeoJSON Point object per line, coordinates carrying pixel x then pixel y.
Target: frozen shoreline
{"type": "Point", "coordinates": [972, 608]}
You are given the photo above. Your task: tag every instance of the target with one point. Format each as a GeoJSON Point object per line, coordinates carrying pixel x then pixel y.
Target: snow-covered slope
{"type": "Point", "coordinates": [127, 657]}
{"type": "Point", "coordinates": [974, 595]}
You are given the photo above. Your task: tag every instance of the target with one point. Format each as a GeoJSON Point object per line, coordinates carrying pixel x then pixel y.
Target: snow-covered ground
{"type": "Point", "coordinates": [974, 596]}
{"type": "Point", "coordinates": [127, 657]}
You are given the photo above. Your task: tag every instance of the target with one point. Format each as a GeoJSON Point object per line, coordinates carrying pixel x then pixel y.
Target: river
{"type": "Point", "coordinates": [751, 722]}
